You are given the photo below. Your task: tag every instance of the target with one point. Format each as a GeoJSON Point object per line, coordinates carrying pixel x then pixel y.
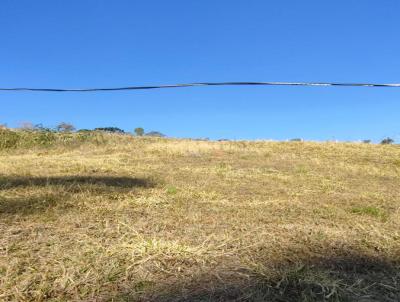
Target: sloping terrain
{"type": "Point", "coordinates": [137, 219]}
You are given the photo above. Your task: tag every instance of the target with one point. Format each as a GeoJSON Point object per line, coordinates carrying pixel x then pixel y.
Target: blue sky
{"type": "Point", "coordinates": [96, 43]}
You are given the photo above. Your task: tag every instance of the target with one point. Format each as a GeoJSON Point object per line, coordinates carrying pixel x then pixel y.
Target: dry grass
{"type": "Point", "coordinates": [157, 219]}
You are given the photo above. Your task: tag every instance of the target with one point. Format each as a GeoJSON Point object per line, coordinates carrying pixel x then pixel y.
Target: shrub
{"type": "Point", "coordinates": [40, 127]}
{"type": "Point", "coordinates": [155, 134]}
{"type": "Point", "coordinates": [110, 129]}
{"type": "Point", "coordinates": [8, 139]}
{"type": "Point", "coordinates": [65, 127]}
{"type": "Point", "coordinates": [11, 139]}
{"type": "Point", "coordinates": [387, 141]}
{"type": "Point", "coordinates": [42, 138]}
{"type": "Point", "coordinates": [139, 131]}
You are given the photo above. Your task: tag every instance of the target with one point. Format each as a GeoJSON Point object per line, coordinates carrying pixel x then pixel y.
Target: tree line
{"type": "Point", "coordinates": [65, 127]}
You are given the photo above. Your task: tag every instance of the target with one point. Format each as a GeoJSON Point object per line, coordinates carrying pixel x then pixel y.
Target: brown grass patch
{"type": "Point", "coordinates": [179, 220]}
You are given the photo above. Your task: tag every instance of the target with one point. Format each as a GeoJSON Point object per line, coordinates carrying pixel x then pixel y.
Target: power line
{"type": "Point", "coordinates": [203, 84]}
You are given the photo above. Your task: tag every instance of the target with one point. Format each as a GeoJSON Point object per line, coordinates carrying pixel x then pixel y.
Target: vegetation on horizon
{"type": "Point", "coordinates": [64, 134]}
{"type": "Point", "coordinates": [7, 138]}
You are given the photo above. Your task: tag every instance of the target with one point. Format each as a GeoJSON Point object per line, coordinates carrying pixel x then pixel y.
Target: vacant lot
{"type": "Point", "coordinates": [124, 219]}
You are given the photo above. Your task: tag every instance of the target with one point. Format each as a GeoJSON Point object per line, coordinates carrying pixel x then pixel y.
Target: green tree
{"type": "Point", "coordinates": [139, 131]}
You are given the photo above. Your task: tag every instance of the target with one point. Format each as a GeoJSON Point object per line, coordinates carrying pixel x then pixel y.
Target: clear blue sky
{"type": "Point", "coordinates": [85, 43]}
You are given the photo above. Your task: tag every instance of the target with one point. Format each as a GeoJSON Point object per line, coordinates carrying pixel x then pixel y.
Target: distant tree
{"type": "Point", "coordinates": [26, 126]}
{"type": "Point", "coordinates": [155, 134]}
{"type": "Point", "coordinates": [65, 127]}
{"type": "Point", "coordinates": [202, 139]}
{"type": "Point", "coordinates": [387, 141]}
{"type": "Point", "coordinates": [139, 131]}
{"type": "Point", "coordinates": [40, 127]}
{"type": "Point", "coordinates": [296, 140]}
{"type": "Point", "coordinates": [110, 129]}
{"type": "Point", "coordinates": [366, 141]}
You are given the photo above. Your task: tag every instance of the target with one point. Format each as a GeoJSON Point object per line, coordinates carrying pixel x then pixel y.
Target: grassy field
{"type": "Point", "coordinates": [117, 218]}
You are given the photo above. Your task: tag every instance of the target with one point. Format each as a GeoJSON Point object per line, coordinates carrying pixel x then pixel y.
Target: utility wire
{"type": "Point", "coordinates": [203, 84]}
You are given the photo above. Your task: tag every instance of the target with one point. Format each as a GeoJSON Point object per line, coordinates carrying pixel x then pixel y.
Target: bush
{"type": "Point", "coordinates": [387, 141]}
{"type": "Point", "coordinates": [110, 129]}
{"type": "Point", "coordinates": [155, 134]}
{"type": "Point", "coordinates": [8, 139]}
{"type": "Point", "coordinates": [12, 139]}
{"type": "Point", "coordinates": [139, 131]}
{"type": "Point", "coordinates": [42, 138]}
{"type": "Point", "coordinates": [65, 127]}
{"type": "Point", "coordinates": [40, 127]}
{"type": "Point", "coordinates": [28, 126]}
